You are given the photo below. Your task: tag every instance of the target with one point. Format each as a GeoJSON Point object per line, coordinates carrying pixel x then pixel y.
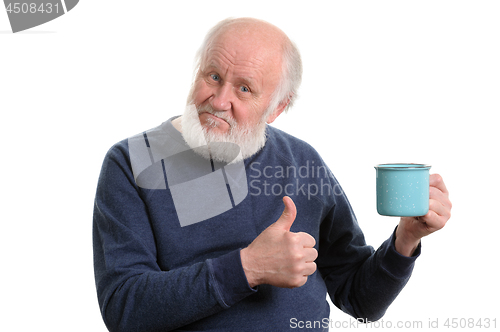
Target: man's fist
{"type": "Point", "coordinates": [279, 257]}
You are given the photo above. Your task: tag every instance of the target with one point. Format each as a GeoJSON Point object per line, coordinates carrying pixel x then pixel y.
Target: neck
{"type": "Point", "coordinates": [177, 123]}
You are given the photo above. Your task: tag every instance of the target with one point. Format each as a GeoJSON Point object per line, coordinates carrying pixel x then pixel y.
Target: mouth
{"type": "Point", "coordinates": [213, 117]}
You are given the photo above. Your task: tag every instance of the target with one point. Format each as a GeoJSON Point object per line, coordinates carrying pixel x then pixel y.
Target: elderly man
{"type": "Point", "coordinates": [182, 243]}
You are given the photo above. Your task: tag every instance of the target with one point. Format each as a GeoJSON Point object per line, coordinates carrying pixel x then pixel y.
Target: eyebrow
{"type": "Point", "coordinates": [247, 80]}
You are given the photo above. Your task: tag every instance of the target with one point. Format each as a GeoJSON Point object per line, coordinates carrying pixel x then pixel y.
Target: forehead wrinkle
{"type": "Point", "coordinates": [232, 57]}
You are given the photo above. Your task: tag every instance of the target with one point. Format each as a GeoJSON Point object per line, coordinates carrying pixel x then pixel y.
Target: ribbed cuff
{"type": "Point", "coordinates": [229, 279]}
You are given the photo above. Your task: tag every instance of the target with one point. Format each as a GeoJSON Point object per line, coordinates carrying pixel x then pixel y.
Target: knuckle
{"type": "Point", "coordinates": [296, 270]}
{"type": "Point", "coordinates": [432, 204]}
{"type": "Point", "coordinates": [293, 238]}
{"type": "Point", "coordinates": [298, 281]}
{"type": "Point", "coordinates": [298, 256]}
{"type": "Point", "coordinates": [438, 178]}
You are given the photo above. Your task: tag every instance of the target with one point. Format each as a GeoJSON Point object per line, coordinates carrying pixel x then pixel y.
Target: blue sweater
{"type": "Point", "coordinates": [153, 274]}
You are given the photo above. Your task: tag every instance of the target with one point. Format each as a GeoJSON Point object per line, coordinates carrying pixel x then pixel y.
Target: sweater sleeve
{"type": "Point", "coordinates": [134, 294]}
{"type": "Point", "coordinates": [361, 282]}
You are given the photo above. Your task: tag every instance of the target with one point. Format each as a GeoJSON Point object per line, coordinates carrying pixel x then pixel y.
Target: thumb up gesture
{"type": "Point", "coordinates": [279, 257]}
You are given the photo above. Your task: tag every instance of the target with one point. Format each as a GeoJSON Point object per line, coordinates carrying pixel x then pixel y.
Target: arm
{"type": "Point", "coordinates": [133, 292]}
{"type": "Point", "coordinates": [363, 282]}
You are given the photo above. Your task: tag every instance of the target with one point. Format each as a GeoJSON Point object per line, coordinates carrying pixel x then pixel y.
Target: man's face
{"type": "Point", "coordinates": [236, 81]}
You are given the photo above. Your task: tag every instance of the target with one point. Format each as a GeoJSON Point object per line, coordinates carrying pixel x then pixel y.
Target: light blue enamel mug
{"type": "Point", "coordinates": [402, 189]}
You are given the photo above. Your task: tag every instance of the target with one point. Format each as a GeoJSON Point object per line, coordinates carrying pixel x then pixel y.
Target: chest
{"type": "Point", "coordinates": [230, 230]}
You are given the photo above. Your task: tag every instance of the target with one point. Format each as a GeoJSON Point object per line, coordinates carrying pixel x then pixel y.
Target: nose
{"type": "Point", "coordinates": [222, 97]}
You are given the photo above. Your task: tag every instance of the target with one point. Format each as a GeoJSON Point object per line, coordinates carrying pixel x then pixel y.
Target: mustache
{"type": "Point", "coordinates": [221, 115]}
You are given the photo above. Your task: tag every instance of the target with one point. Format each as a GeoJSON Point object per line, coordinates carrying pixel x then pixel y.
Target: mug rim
{"type": "Point", "coordinates": [402, 166]}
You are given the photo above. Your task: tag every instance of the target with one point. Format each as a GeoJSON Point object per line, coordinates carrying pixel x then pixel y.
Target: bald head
{"type": "Point", "coordinates": [252, 32]}
{"type": "Point", "coordinates": [249, 24]}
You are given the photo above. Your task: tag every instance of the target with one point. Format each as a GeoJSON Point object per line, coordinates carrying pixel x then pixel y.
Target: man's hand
{"type": "Point", "coordinates": [412, 229]}
{"type": "Point", "coordinates": [279, 257]}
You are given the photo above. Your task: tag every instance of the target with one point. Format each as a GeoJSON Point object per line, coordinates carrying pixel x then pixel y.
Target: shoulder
{"type": "Point", "coordinates": [308, 169]}
{"type": "Point", "coordinates": [145, 142]}
{"type": "Point", "coordinates": [118, 151]}
{"type": "Point", "coordinates": [290, 147]}
{"type": "Point", "coordinates": [116, 162]}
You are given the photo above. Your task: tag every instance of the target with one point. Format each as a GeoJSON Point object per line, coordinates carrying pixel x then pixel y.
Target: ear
{"type": "Point", "coordinates": [281, 107]}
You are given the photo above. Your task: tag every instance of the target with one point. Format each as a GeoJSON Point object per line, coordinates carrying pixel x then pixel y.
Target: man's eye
{"type": "Point", "coordinates": [244, 89]}
{"type": "Point", "coordinates": [215, 77]}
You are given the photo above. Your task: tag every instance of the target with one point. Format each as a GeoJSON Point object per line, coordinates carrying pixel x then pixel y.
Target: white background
{"type": "Point", "coordinates": [384, 81]}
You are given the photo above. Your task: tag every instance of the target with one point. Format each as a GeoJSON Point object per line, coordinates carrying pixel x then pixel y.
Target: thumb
{"type": "Point", "coordinates": [288, 216]}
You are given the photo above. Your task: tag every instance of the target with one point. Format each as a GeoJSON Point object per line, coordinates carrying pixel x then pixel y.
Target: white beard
{"type": "Point", "coordinates": [250, 139]}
